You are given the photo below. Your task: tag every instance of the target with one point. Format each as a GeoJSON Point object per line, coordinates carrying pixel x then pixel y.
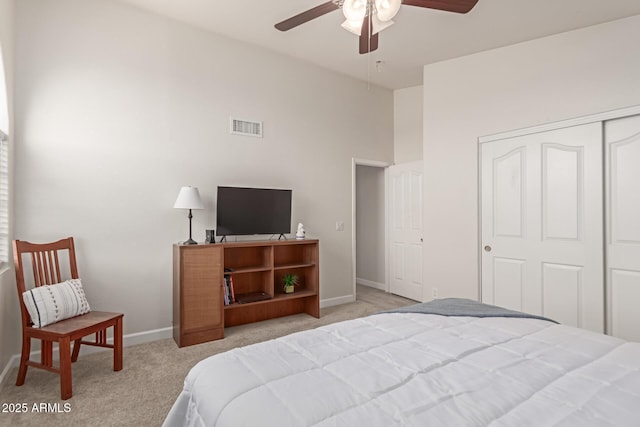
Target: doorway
{"type": "Point", "coordinates": [369, 231]}
{"type": "Point", "coordinates": [387, 227]}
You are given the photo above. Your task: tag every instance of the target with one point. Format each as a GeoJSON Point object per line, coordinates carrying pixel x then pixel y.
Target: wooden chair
{"type": "Point", "coordinates": [46, 259]}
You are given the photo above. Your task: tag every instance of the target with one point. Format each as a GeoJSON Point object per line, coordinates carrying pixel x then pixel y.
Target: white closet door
{"type": "Point", "coordinates": [405, 230]}
{"type": "Point", "coordinates": [542, 220]}
{"type": "Point", "coordinates": [622, 177]}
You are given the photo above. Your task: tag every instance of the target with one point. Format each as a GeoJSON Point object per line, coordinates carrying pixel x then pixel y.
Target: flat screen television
{"type": "Point", "coordinates": [246, 211]}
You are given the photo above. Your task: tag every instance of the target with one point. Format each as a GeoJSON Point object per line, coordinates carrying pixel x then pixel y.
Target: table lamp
{"type": "Point", "coordinates": [189, 198]}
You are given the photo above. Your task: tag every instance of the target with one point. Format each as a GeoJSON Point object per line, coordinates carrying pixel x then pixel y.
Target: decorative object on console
{"type": "Point", "coordinates": [300, 233]}
{"type": "Point", "coordinates": [211, 236]}
{"type": "Point", "coordinates": [189, 198]}
{"type": "Point", "coordinates": [289, 281]}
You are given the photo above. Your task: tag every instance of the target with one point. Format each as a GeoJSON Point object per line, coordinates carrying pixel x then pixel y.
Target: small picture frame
{"type": "Point", "coordinates": [211, 236]}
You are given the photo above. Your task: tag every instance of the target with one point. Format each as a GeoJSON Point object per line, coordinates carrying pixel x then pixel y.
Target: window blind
{"type": "Point", "coordinates": [4, 198]}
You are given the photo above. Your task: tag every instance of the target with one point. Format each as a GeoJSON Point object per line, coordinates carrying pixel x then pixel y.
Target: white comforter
{"type": "Point", "coordinates": [419, 370]}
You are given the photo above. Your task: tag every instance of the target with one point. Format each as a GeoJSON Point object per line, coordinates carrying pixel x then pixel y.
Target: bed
{"type": "Point", "coordinates": [425, 365]}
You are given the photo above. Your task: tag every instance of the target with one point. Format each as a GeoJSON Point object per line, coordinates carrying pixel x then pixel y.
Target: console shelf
{"type": "Point", "coordinates": [284, 267]}
{"type": "Point", "coordinates": [199, 311]}
{"type": "Point", "coordinates": [247, 270]}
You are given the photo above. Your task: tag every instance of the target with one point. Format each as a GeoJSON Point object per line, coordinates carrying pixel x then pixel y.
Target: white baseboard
{"type": "Point", "coordinates": [127, 340]}
{"type": "Point", "coordinates": [146, 336]}
{"type": "Point", "coordinates": [372, 284]}
{"type": "Point", "coordinates": [141, 338]}
{"type": "Point", "coordinates": [13, 362]}
{"type": "Point", "coordinates": [330, 302]}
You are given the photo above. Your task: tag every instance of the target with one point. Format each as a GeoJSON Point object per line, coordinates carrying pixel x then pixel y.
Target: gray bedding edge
{"type": "Point", "coordinates": [462, 307]}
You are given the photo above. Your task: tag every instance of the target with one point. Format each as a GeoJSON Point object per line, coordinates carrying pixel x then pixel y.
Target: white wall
{"type": "Point", "coordinates": [118, 108]}
{"type": "Point", "coordinates": [9, 312]}
{"type": "Point", "coordinates": [407, 124]}
{"type": "Point", "coordinates": [569, 75]}
{"type": "Point", "coordinates": [370, 226]}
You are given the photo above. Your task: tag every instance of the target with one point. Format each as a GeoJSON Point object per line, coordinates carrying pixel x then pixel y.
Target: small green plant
{"type": "Point", "coordinates": [289, 281]}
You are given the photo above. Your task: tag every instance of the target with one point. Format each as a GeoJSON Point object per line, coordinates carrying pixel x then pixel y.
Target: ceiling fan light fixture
{"type": "Point", "coordinates": [387, 9]}
{"type": "Point", "coordinates": [378, 25]}
{"type": "Point", "coordinates": [354, 27]}
{"type": "Point", "coordinates": [355, 10]}
{"type": "Point", "coordinates": [366, 18]}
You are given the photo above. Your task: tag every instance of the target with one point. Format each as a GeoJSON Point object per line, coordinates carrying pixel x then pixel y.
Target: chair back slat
{"type": "Point", "coordinates": [36, 270]}
{"type": "Point", "coordinates": [58, 278]}
{"type": "Point", "coordinates": [46, 268]}
{"type": "Point", "coordinates": [45, 263]}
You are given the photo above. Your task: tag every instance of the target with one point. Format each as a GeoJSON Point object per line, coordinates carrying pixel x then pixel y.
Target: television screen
{"type": "Point", "coordinates": [244, 211]}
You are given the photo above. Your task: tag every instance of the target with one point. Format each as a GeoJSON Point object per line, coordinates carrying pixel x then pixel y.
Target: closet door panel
{"type": "Point", "coordinates": [562, 192]}
{"type": "Point", "coordinates": [509, 282]}
{"type": "Point", "coordinates": [625, 295]}
{"type": "Point", "coordinates": [542, 224]}
{"type": "Point", "coordinates": [509, 193]}
{"type": "Point", "coordinates": [622, 183]}
{"type": "Point", "coordinates": [563, 288]}
{"type": "Point", "coordinates": [508, 276]}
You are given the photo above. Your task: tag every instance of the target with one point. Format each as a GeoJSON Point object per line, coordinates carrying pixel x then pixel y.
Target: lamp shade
{"type": "Point", "coordinates": [188, 198]}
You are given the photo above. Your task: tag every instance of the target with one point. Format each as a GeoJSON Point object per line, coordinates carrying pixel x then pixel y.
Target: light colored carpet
{"type": "Point", "coordinates": [143, 392]}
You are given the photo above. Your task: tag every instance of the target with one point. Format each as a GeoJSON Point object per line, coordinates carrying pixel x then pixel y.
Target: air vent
{"type": "Point", "coordinates": [246, 127]}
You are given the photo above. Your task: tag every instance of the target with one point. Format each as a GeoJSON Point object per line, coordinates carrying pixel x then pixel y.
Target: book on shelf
{"type": "Point", "coordinates": [233, 293]}
{"type": "Point", "coordinates": [225, 292]}
{"type": "Point", "coordinates": [229, 293]}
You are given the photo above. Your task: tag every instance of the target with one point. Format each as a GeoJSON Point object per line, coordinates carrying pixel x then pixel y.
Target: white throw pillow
{"type": "Point", "coordinates": [52, 303]}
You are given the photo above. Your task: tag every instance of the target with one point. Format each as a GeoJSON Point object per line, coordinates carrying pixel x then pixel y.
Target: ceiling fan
{"type": "Point", "coordinates": [366, 18]}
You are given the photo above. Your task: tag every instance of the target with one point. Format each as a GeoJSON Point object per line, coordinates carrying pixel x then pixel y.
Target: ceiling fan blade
{"type": "Point", "coordinates": [306, 16]}
{"type": "Point", "coordinates": [458, 6]}
{"type": "Point", "coordinates": [368, 42]}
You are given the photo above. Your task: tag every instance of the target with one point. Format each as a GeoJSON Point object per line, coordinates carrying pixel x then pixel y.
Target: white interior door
{"type": "Point", "coordinates": [542, 225]}
{"type": "Point", "coordinates": [405, 230]}
{"type": "Point", "coordinates": [622, 178]}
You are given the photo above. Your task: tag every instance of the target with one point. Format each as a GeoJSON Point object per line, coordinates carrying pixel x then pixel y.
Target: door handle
{"type": "Point", "coordinates": [487, 248]}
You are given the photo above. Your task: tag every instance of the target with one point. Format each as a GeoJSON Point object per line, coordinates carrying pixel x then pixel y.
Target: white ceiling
{"type": "Point", "coordinates": [418, 37]}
